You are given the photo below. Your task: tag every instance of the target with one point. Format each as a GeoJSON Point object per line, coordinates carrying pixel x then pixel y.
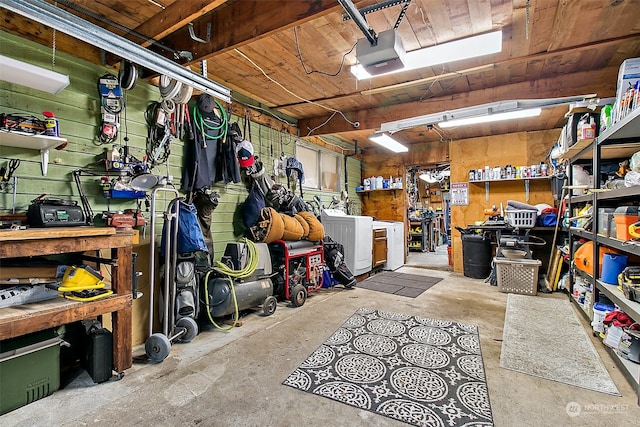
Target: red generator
{"type": "Point", "coordinates": [298, 267]}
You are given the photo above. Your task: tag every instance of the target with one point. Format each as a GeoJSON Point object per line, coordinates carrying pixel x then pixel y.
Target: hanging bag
{"type": "Point", "coordinates": [252, 206]}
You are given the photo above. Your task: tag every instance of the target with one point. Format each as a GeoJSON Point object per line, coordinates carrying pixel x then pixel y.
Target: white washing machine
{"type": "Point", "coordinates": [354, 232]}
{"type": "Point", "coordinates": [396, 245]}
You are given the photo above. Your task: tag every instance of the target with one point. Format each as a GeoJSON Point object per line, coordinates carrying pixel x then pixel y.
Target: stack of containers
{"type": "Point", "coordinates": [628, 89]}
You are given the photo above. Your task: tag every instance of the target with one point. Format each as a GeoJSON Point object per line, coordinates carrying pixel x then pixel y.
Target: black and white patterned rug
{"type": "Point", "coordinates": [425, 372]}
{"type": "Point", "coordinates": [391, 282]}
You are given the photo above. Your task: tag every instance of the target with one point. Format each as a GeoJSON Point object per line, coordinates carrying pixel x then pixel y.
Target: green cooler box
{"type": "Point", "coordinates": [29, 369]}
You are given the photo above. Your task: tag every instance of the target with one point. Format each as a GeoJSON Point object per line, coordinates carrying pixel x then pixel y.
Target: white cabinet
{"type": "Point", "coordinates": [396, 246]}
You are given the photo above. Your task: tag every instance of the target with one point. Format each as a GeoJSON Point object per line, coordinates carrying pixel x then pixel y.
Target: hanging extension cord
{"type": "Point", "coordinates": [222, 268]}
{"type": "Point", "coordinates": [111, 104]}
{"type": "Point", "coordinates": [202, 126]}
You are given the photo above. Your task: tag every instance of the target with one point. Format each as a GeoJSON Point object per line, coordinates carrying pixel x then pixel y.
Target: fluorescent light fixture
{"type": "Point", "coordinates": [492, 109]}
{"type": "Point", "coordinates": [22, 73]}
{"type": "Point", "coordinates": [433, 176]}
{"type": "Point", "coordinates": [389, 143]}
{"type": "Point", "coordinates": [471, 47]}
{"type": "Point", "coordinates": [518, 114]}
{"type": "Point", "coordinates": [65, 22]}
{"type": "Point", "coordinates": [427, 177]}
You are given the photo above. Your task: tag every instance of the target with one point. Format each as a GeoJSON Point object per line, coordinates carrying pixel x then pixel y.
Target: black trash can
{"type": "Point", "coordinates": [476, 255]}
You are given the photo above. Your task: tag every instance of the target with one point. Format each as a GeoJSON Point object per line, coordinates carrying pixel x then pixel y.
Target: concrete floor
{"type": "Point", "coordinates": [235, 378]}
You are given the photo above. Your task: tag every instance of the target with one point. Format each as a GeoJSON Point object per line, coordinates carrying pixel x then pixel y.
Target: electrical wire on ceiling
{"type": "Point", "coordinates": [271, 79]}
{"type": "Point", "coordinates": [264, 110]}
{"type": "Point", "coordinates": [440, 133]}
{"type": "Point", "coordinates": [304, 67]}
{"type": "Point", "coordinates": [155, 3]}
{"type": "Point", "coordinates": [321, 124]}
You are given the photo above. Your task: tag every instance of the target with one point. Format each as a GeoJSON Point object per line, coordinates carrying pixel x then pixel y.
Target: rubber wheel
{"type": "Point", "coordinates": [157, 347]}
{"type": "Point", "coordinates": [298, 295]}
{"type": "Point", "coordinates": [190, 326]}
{"type": "Point", "coordinates": [269, 305]}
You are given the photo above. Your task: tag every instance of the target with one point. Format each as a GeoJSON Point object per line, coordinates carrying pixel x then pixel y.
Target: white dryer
{"type": "Point", "coordinates": [354, 232]}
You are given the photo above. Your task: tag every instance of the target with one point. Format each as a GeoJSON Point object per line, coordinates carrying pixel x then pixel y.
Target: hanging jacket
{"type": "Point", "coordinates": [200, 167]}
{"type": "Point", "coordinates": [228, 168]}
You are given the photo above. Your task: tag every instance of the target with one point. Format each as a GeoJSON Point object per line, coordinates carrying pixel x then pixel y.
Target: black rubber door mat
{"type": "Point", "coordinates": [406, 285]}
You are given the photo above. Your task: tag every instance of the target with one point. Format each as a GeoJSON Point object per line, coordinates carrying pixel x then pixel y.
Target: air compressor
{"type": "Point", "coordinates": [241, 280]}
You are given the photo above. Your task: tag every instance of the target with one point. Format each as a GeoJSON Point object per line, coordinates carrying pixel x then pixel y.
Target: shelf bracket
{"type": "Point", "coordinates": [526, 190]}
{"type": "Point", "coordinates": [44, 161]}
{"type": "Point", "coordinates": [486, 191]}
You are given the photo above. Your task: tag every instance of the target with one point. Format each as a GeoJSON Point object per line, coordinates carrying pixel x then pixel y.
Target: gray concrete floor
{"type": "Point", "coordinates": [235, 378]}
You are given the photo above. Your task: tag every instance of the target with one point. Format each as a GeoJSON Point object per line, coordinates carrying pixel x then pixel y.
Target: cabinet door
{"type": "Point", "coordinates": [379, 247]}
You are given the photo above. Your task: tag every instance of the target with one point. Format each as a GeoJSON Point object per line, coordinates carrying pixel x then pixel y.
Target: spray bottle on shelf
{"type": "Point", "coordinates": [50, 124]}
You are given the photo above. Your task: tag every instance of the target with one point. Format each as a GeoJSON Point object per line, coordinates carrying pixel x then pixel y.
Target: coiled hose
{"type": "Point", "coordinates": [248, 270]}
{"type": "Point", "coordinates": [202, 126]}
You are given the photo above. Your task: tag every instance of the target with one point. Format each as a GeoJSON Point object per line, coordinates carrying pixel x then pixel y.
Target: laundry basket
{"type": "Point", "coordinates": [520, 218]}
{"type": "Point", "coordinates": [518, 276]}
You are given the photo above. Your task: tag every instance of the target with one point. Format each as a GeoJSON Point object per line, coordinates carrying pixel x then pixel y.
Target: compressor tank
{"type": "Point", "coordinates": [248, 294]}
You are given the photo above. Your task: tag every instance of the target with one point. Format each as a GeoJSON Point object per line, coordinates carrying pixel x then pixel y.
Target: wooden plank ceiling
{"type": "Point", "coordinates": [284, 54]}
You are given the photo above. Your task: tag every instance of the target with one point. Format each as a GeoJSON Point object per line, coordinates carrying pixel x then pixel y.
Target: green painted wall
{"type": "Point", "coordinates": [78, 111]}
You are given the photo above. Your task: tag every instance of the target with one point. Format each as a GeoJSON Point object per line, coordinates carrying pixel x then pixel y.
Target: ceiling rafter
{"type": "Point", "coordinates": [552, 87]}
{"type": "Point", "coordinates": [176, 16]}
{"type": "Point", "coordinates": [260, 18]}
{"type": "Point", "coordinates": [478, 69]}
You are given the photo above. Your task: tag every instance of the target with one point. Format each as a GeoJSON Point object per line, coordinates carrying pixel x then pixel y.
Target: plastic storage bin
{"type": "Point", "coordinates": [624, 216]}
{"type": "Point", "coordinates": [521, 218]}
{"type": "Point", "coordinates": [518, 276]}
{"type": "Point", "coordinates": [605, 218]}
{"type": "Point", "coordinates": [29, 369]}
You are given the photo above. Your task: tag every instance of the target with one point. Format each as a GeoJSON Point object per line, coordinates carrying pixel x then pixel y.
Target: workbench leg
{"type": "Point", "coordinates": [122, 277]}
{"type": "Point", "coordinates": [122, 350]}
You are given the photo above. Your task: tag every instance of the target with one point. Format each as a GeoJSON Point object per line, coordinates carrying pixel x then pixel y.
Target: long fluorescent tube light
{"type": "Point", "coordinates": [22, 73]}
{"type": "Point", "coordinates": [427, 177]}
{"type": "Point", "coordinates": [61, 20]}
{"type": "Point", "coordinates": [389, 143]}
{"type": "Point", "coordinates": [471, 47]}
{"type": "Point", "coordinates": [489, 109]}
{"type": "Point", "coordinates": [518, 114]}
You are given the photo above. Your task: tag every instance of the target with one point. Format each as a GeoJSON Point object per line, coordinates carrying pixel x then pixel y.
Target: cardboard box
{"type": "Point", "coordinates": [629, 73]}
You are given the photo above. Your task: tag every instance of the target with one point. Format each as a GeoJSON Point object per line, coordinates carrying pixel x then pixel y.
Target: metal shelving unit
{"type": "Point", "coordinates": [619, 141]}
{"type": "Point", "coordinates": [419, 239]}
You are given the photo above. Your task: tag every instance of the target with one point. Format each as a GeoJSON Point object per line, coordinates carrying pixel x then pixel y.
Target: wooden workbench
{"type": "Point", "coordinates": [27, 318]}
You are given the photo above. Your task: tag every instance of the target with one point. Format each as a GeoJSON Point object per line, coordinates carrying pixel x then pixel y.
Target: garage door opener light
{"type": "Point", "coordinates": [458, 50]}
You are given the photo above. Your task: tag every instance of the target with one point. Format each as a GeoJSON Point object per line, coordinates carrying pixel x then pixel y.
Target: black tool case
{"type": "Point", "coordinates": [98, 355]}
